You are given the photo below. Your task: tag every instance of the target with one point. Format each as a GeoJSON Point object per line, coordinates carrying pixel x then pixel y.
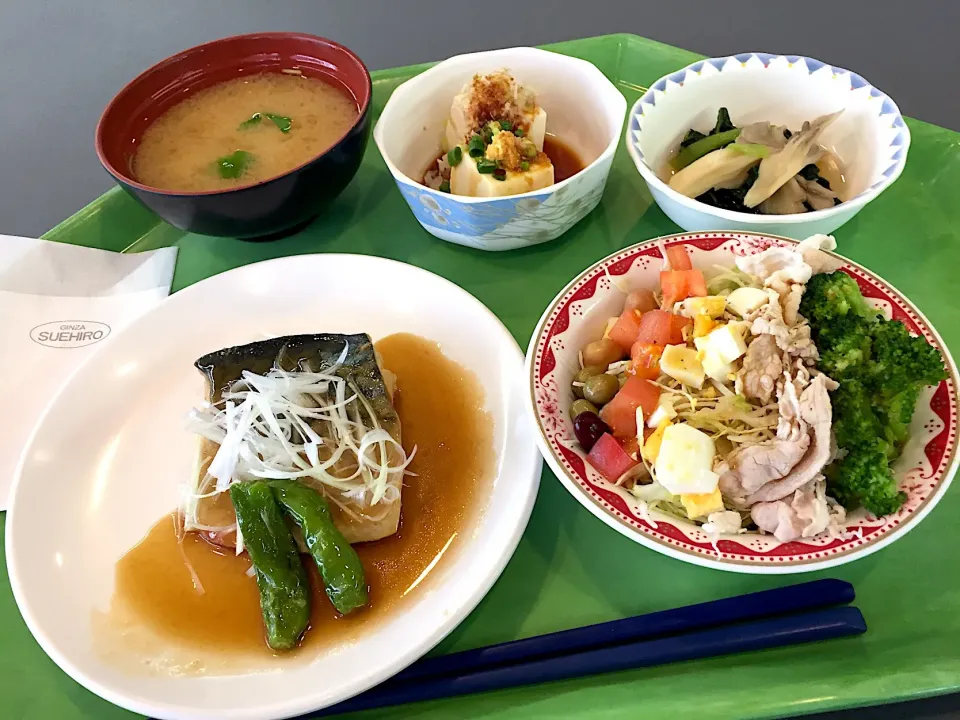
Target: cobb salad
{"type": "Point", "coordinates": [766, 397]}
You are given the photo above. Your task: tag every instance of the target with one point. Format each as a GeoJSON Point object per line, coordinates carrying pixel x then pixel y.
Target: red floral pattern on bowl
{"type": "Point", "coordinates": [578, 314]}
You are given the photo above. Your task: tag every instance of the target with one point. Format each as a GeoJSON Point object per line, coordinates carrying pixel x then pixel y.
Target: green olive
{"type": "Point", "coordinates": [585, 374]}
{"type": "Point", "coordinates": [600, 389]}
{"type": "Point", "coordinates": [622, 379]}
{"type": "Point", "coordinates": [581, 406]}
{"type": "Point", "coordinates": [602, 352]}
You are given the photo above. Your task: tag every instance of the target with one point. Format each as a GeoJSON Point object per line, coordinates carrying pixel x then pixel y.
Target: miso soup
{"type": "Point", "coordinates": [243, 131]}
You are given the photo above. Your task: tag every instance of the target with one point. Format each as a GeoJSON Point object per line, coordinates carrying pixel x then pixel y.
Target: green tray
{"type": "Point", "coordinates": [571, 569]}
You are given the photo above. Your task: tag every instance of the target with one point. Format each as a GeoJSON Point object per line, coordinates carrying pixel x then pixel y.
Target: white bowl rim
{"type": "Point", "coordinates": [607, 153]}
{"type": "Point", "coordinates": [706, 561]}
{"type": "Point", "coordinates": [858, 201]}
{"type": "Point", "coordinates": [301, 704]}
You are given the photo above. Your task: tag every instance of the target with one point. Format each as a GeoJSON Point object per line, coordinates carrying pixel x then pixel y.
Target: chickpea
{"type": "Point", "coordinates": [602, 352]}
{"type": "Point", "coordinates": [642, 300]}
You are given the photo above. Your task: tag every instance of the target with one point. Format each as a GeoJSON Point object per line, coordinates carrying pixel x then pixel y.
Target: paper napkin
{"type": "Point", "coordinates": [58, 304]}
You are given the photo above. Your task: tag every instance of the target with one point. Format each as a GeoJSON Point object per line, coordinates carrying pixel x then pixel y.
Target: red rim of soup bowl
{"type": "Point", "coordinates": [160, 87]}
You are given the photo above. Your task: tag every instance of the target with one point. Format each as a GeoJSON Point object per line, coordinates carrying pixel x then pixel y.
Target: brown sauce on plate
{"type": "Point", "coordinates": [440, 407]}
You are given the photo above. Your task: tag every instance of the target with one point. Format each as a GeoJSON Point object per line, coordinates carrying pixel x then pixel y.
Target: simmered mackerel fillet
{"type": "Point", "coordinates": [352, 358]}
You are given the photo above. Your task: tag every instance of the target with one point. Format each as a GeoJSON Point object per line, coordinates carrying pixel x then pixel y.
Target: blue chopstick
{"type": "Point", "coordinates": [752, 606]}
{"type": "Point", "coordinates": [744, 637]}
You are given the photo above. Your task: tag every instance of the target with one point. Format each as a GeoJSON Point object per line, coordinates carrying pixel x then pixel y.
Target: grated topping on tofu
{"type": "Point", "coordinates": [497, 97]}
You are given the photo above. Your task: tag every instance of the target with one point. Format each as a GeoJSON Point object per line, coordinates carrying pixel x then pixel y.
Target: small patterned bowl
{"type": "Point", "coordinates": [578, 314]}
{"type": "Point", "coordinates": [870, 137]}
{"type": "Point", "coordinates": [584, 110]}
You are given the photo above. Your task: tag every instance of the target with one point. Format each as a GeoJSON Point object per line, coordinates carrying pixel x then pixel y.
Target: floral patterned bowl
{"type": "Point", "coordinates": [583, 109]}
{"type": "Point", "coordinates": [578, 314]}
{"type": "Point", "coordinates": [870, 137]}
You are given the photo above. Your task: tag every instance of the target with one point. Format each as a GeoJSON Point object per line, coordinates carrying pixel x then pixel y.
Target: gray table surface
{"type": "Point", "coordinates": [63, 60]}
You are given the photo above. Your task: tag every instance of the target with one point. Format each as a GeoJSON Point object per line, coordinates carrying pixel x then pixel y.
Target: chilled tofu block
{"type": "Point", "coordinates": [483, 99]}
{"type": "Point", "coordinates": [465, 179]}
{"type": "Point", "coordinates": [457, 130]}
{"type": "Point", "coordinates": [538, 128]}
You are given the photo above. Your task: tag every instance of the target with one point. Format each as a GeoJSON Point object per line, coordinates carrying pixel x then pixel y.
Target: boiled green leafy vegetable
{"type": "Point", "coordinates": [697, 150]}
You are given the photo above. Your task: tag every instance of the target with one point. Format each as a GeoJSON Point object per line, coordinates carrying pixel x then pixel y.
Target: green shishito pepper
{"type": "Point", "coordinates": [337, 561]}
{"type": "Point", "coordinates": [283, 583]}
{"type": "Point", "coordinates": [701, 147]}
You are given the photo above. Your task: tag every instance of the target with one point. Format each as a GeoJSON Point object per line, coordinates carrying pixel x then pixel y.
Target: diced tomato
{"type": "Point", "coordinates": [677, 325]}
{"type": "Point", "coordinates": [630, 445]}
{"type": "Point", "coordinates": [673, 284]}
{"type": "Point", "coordinates": [645, 360]}
{"type": "Point", "coordinates": [609, 459]}
{"type": "Point", "coordinates": [624, 331]}
{"type": "Point", "coordinates": [642, 300]}
{"type": "Point", "coordinates": [620, 414]}
{"type": "Point", "coordinates": [679, 260]}
{"type": "Point", "coordinates": [655, 328]}
{"type": "Point", "coordinates": [678, 285]}
{"type": "Point", "coordinates": [696, 284]}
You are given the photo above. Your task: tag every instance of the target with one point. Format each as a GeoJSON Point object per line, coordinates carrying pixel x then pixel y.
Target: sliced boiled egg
{"type": "Point", "coordinates": [700, 505]}
{"type": "Point", "coordinates": [746, 300]}
{"type": "Point", "coordinates": [715, 368]}
{"type": "Point", "coordinates": [703, 325]}
{"type": "Point", "coordinates": [665, 411]}
{"type": "Point", "coordinates": [725, 343]}
{"type": "Point", "coordinates": [682, 364]}
{"type": "Point", "coordinates": [684, 462]}
{"type": "Point", "coordinates": [651, 448]}
{"type": "Point", "coordinates": [711, 306]}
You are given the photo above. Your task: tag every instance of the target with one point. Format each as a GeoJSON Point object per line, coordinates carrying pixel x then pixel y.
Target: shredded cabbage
{"type": "Point", "coordinates": [725, 280]}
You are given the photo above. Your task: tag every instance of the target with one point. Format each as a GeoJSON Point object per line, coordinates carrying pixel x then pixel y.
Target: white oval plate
{"type": "Point", "coordinates": [107, 458]}
{"type": "Point", "coordinates": [578, 314]}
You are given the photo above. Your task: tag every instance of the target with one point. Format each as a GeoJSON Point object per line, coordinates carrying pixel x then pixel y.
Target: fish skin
{"type": "Point", "coordinates": [359, 368]}
{"type": "Point", "coordinates": [321, 351]}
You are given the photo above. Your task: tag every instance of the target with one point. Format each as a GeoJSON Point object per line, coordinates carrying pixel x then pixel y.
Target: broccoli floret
{"type": "Point", "coordinates": [900, 359]}
{"type": "Point", "coordinates": [897, 416]}
{"type": "Point", "coordinates": [881, 370]}
{"type": "Point", "coordinates": [830, 296]}
{"type": "Point", "coordinates": [854, 419]}
{"type": "Point", "coordinates": [844, 347]}
{"type": "Point", "coordinates": [863, 477]}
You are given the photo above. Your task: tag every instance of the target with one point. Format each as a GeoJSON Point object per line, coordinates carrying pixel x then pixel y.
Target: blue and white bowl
{"type": "Point", "coordinates": [584, 110]}
{"type": "Point", "coordinates": [870, 137]}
